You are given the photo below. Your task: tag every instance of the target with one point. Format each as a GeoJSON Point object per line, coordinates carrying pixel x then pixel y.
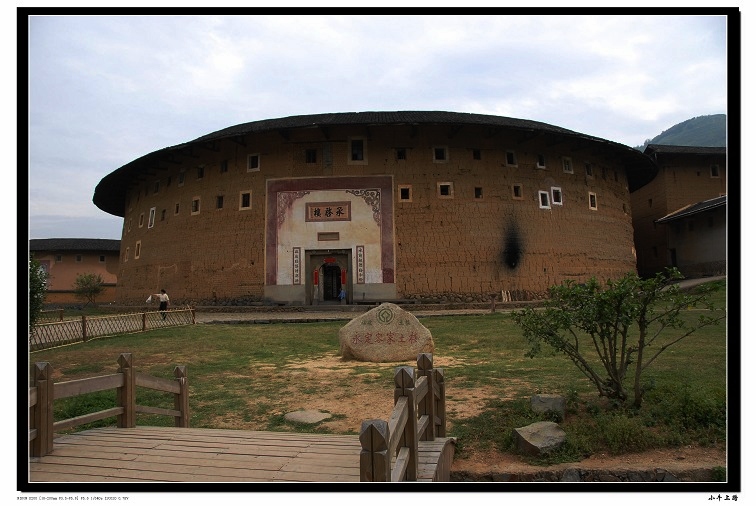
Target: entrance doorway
{"type": "Point", "coordinates": [329, 274]}
{"type": "Point", "coordinates": [331, 283]}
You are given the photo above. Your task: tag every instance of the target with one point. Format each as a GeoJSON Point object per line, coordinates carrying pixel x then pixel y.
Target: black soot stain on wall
{"type": "Point", "coordinates": [512, 247]}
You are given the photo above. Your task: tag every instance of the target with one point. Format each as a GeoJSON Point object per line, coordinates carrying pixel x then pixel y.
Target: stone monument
{"type": "Point", "coordinates": [386, 333]}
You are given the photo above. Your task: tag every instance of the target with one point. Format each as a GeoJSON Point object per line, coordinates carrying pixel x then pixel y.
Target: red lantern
{"type": "Point", "coordinates": [343, 276]}
{"type": "Point", "coordinates": [315, 277]}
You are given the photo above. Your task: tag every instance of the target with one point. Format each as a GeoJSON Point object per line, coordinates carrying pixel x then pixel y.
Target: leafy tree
{"type": "Point", "coordinates": [617, 330]}
{"type": "Point", "coordinates": [88, 286]}
{"type": "Point", "coordinates": [37, 291]}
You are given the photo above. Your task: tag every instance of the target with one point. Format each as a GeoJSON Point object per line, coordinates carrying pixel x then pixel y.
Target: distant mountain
{"type": "Point", "coordinates": [707, 131]}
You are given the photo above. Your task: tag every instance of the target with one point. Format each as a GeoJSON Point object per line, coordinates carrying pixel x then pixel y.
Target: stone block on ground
{"type": "Point", "coordinates": [539, 438]}
{"type": "Point", "coordinates": [386, 333]}
{"type": "Point", "coordinates": [543, 403]}
{"type": "Point", "coordinates": [307, 416]}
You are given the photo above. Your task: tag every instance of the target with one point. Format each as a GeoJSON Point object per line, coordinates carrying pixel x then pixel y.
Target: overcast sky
{"type": "Point", "coordinates": [105, 90]}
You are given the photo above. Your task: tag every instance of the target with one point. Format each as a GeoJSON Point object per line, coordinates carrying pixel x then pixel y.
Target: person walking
{"type": "Point", "coordinates": [164, 300]}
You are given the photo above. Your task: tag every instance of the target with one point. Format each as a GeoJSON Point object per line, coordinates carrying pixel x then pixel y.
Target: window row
{"type": "Point", "coordinates": [445, 190]}
{"type": "Point", "coordinates": [245, 203]}
{"type": "Point", "coordinates": [78, 258]}
{"type": "Point", "coordinates": [357, 154]}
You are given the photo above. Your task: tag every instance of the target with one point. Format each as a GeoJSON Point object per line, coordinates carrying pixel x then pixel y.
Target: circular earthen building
{"type": "Point", "coordinates": [374, 206]}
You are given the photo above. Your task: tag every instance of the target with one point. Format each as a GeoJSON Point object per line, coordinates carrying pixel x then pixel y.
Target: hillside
{"type": "Point", "coordinates": [699, 131]}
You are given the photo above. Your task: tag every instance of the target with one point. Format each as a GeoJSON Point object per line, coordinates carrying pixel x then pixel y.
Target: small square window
{"type": "Point", "coordinates": [511, 158]}
{"type": "Point", "coordinates": [517, 191]}
{"type": "Point", "coordinates": [541, 162]}
{"type": "Point", "coordinates": [311, 155]}
{"type": "Point", "coordinates": [78, 258]}
{"type": "Point", "coordinates": [592, 201]}
{"type": "Point", "coordinates": [102, 258]}
{"type": "Point", "coordinates": [58, 258]}
{"type": "Point", "coordinates": [156, 187]}
{"type": "Point", "coordinates": [439, 154]}
{"type": "Point", "coordinates": [253, 162]}
{"type": "Point", "coordinates": [245, 200]}
{"type": "Point", "coordinates": [141, 220]}
{"type": "Point", "coordinates": [401, 153]}
{"type": "Point", "coordinates": [588, 169]}
{"type": "Point", "coordinates": [162, 215]}
{"type": "Point", "coordinates": [219, 202]}
{"type": "Point", "coordinates": [478, 192]}
{"type": "Point", "coordinates": [556, 196]}
{"type": "Point", "coordinates": [405, 193]}
{"type": "Point", "coordinates": [138, 250]}
{"type": "Point", "coordinates": [176, 210]}
{"type": "Point", "coordinates": [445, 190]}
{"type": "Point", "coordinates": [181, 177]}
{"type": "Point", "coordinates": [200, 172]}
{"type": "Point", "coordinates": [714, 171]}
{"type": "Point", "coordinates": [476, 154]}
{"type": "Point", "coordinates": [224, 166]}
{"type": "Point", "coordinates": [195, 205]}
{"type": "Point", "coordinates": [151, 220]}
{"type": "Point", "coordinates": [543, 200]}
{"type": "Point", "coordinates": [357, 151]}
{"type": "Point", "coordinates": [567, 164]}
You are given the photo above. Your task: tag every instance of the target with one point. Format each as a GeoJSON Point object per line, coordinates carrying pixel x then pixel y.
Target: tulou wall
{"type": "Point", "coordinates": [384, 212]}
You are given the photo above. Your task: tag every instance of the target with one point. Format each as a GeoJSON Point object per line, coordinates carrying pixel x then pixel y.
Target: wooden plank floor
{"type": "Point", "coordinates": [167, 454]}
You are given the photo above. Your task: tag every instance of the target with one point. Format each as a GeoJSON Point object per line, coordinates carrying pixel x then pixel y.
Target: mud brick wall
{"type": "Point", "coordinates": [460, 230]}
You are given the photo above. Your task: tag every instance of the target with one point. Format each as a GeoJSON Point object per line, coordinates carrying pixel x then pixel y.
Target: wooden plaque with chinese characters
{"type": "Point", "coordinates": [328, 211]}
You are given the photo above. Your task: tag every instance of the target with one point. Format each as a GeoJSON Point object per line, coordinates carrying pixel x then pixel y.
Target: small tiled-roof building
{"type": "Point", "coordinates": [64, 259]}
{"type": "Point", "coordinates": [423, 205]}
{"type": "Point", "coordinates": [687, 175]}
{"type": "Point", "coordinates": [697, 237]}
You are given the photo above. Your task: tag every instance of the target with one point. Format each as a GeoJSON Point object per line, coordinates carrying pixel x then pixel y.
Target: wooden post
{"type": "Point", "coordinates": [404, 386]}
{"type": "Point", "coordinates": [440, 403]}
{"type": "Point", "coordinates": [60, 315]}
{"type": "Point", "coordinates": [428, 405]}
{"type": "Point", "coordinates": [193, 315]}
{"type": "Point", "coordinates": [181, 399]}
{"type": "Point", "coordinates": [144, 321]}
{"type": "Point", "coordinates": [375, 462]}
{"type": "Point", "coordinates": [43, 411]}
{"type": "Point", "coordinates": [127, 393]}
{"type": "Point", "coordinates": [84, 328]}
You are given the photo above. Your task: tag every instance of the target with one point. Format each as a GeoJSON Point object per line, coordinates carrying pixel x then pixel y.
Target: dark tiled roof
{"type": "Point", "coordinates": [74, 245]}
{"type": "Point", "coordinates": [688, 150]}
{"type": "Point", "coordinates": [110, 193]}
{"type": "Point", "coordinates": [696, 208]}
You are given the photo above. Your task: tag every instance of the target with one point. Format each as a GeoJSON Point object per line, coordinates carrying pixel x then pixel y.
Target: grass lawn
{"type": "Point", "coordinates": [249, 376]}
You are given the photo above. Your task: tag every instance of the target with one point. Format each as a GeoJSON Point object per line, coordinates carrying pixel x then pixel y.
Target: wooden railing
{"type": "Point", "coordinates": [43, 392]}
{"type": "Point", "coordinates": [390, 449]}
{"type": "Point", "coordinates": [49, 335]}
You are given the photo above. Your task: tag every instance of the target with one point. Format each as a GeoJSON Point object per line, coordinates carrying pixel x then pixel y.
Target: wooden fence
{"type": "Point", "coordinates": [391, 449]}
{"type": "Point", "coordinates": [50, 335]}
{"type": "Point", "coordinates": [43, 393]}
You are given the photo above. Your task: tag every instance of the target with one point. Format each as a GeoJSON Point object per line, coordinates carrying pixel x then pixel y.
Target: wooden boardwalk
{"type": "Point", "coordinates": [169, 454]}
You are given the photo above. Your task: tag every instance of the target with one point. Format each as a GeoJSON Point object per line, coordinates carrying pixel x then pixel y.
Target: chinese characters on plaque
{"type": "Point", "coordinates": [328, 211]}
